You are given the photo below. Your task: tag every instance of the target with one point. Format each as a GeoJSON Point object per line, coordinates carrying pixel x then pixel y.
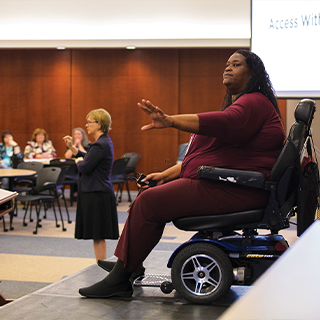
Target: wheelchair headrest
{"type": "Point", "coordinates": [299, 131]}
{"type": "Point", "coordinates": [304, 111]}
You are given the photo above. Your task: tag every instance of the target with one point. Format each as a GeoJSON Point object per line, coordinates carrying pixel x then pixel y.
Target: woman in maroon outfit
{"type": "Point", "coordinates": [247, 135]}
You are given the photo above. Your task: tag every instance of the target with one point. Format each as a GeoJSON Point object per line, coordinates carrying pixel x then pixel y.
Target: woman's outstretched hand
{"type": "Point", "coordinates": [68, 141]}
{"type": "Point", "coordinates": [159, 118]}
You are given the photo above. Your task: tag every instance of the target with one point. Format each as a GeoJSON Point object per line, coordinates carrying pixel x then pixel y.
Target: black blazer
{"type": "Point", "coordinates": [95, 169]}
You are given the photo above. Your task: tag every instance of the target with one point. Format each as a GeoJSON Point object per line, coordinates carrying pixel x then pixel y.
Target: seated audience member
{"type": "Point", "coordinates": [40, 147]}
{"type": "Point", "coordinates": [80, 141]}
{"type": "Point", "coordinates": [246, 135]}
{"type": "Point", "coordinates": [10, 153]}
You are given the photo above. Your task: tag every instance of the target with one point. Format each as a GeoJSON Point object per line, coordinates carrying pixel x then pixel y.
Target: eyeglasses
{"type": "Point", "coordinates": [88, 122]}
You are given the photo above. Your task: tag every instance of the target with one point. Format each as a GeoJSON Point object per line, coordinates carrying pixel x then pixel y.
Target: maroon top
{"type": "Point", "coordinates": [247, 135]}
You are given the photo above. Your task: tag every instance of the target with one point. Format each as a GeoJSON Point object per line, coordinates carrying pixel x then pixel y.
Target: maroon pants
{"type": "Point", "coordinates": [154, 207]}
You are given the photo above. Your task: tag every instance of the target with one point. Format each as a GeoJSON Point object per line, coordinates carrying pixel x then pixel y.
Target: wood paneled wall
{"type": "Point", "coordinates": [35, 92]}
{"type": "Point", "coordinates": [55, 90]}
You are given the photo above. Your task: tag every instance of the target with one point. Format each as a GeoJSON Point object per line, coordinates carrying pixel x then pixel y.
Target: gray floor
{"type": "Point", "coordinates": [61, 300]}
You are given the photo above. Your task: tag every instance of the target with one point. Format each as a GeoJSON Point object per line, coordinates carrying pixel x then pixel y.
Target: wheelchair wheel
{"type": "Point", "coordinates": [202, 273]}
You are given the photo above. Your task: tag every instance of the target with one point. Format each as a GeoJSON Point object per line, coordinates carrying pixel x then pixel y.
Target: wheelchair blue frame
{"type": "Point", "coordinates": [262, 244]}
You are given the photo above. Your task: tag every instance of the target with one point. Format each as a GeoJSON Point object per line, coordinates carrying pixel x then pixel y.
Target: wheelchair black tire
{"type": "Point", "coordinates": [192, 284]}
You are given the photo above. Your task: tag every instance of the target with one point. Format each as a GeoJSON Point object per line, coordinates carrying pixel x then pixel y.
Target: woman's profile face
{"type": "Point", "coordinates": [236, 74]}
{"type": "Point", "coordinates": [92, 126]}
{"type": "Point", "coordinates": [40, 137]}
{"type": "Point", "coordinates": [77, 135]}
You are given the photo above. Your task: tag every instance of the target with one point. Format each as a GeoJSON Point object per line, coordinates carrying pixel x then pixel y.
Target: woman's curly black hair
{"type": "Point", "coordinates": [259, 81]}
{"type": "Point", "coordinates": [4, 133]}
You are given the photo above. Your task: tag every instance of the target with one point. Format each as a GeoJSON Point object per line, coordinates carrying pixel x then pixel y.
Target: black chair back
{"type": "Point", "coordinates": [119, 170]}
{"type": "Point", "coordinates": [119, 176]}
{"type": "Point", "coordinates": [19, 182]}
{"type": "Point", "coordinates": [68, 169]}
{"type": "Point", "coordinates": [61, 162]}
{"type": "Point", "coordinates": [47, 175]}
{"type": "Point", "coordinates": [35, 166]}
{"type": "Point", "coordinates": [133, 161]}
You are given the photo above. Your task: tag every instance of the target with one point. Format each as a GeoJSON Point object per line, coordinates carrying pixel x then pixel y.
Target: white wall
{"type": "Point", "coordinates": [119, 23]}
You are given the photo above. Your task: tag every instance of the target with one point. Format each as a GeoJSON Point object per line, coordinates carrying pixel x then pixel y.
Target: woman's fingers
{"type": "Point", "coordinates": [159, 118]}
{"type": "Point", "coordinates": [144, 108]}
{"type": "Point", "coordinates": [147, 106]}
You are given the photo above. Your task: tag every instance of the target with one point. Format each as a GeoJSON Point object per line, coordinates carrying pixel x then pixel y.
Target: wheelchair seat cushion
{"type": "Point", "coordinates": [231, 220]}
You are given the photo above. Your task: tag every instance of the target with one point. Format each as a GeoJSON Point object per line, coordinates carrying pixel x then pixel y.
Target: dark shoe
{"type": "Point", "coordinates": [108, 266]}
{"type": "Point", "coordinates": [102, 290]}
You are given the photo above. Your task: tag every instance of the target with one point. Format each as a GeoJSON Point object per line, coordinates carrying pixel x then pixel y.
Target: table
{"type": "Point", "coordinates": [12, 174]}
{"type": "Point", "coordinates": [15, 173]}
{"type": "Point", "coordinates": [6, 198]}
{"type": "Point", "coordinates": [45, 161]}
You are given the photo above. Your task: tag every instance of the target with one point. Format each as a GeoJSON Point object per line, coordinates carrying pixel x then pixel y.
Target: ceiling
{"type": "Point", "coordinates": [122, 23]}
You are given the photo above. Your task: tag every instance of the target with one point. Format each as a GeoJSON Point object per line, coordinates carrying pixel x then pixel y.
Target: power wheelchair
{"type": "Point", "coordinates": [216, 257]}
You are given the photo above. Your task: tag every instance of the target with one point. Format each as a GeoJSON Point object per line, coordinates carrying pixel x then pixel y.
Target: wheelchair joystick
{"type": "Point", "coordinates": [150, 183]}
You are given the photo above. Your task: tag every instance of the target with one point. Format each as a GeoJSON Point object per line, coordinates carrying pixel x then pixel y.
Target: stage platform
{"type": "Point", "coordinates": [60, 300]}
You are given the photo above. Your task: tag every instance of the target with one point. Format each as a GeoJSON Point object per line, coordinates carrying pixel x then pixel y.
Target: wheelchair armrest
{"type": "Point", "coordinates": [247, 178]}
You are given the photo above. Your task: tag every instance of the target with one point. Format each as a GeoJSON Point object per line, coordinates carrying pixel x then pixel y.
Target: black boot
{"type": "Point", "coordinates": [108, 266]}
{"type": "Point", "coordinates": [116, 284]}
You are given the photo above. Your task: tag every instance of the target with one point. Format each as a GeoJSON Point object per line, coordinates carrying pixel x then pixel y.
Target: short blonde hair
{"type": "Point", "coordinates": [102, 117]}
{"type": "Point", "coordinates": [37, 131]}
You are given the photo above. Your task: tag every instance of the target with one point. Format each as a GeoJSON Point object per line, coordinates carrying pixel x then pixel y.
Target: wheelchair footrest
{"type": "Point", "coordinates": [152, 280]}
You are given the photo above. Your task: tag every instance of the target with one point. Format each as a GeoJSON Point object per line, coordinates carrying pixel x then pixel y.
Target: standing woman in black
{"type": "Point", "coordinates": [96, 216]}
